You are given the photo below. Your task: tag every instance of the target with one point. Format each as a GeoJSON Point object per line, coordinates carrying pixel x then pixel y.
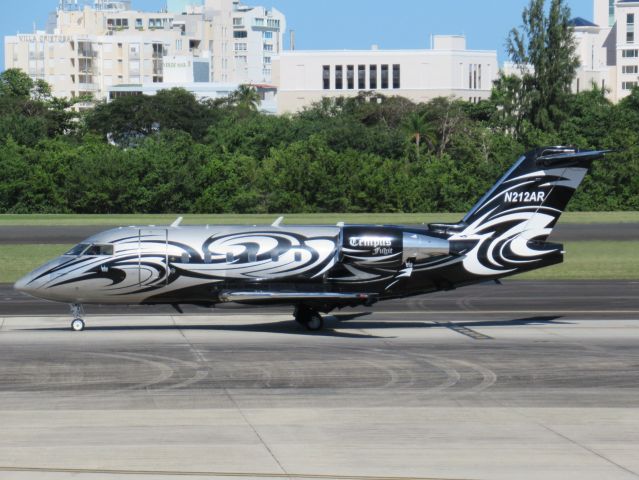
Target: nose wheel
{"type": "Point", "coordinates": [309, 318]}
{"type": "Point", "coordinates": [77, 311]}
{"type": "Point", "coordinates": [77, 325]}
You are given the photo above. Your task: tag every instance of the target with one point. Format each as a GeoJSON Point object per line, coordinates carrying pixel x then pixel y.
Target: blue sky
{"type": "Point", "coordinates": [352, 24]}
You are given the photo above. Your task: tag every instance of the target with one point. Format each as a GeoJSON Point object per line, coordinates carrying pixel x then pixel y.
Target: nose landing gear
{"type": "Point", "coordinates": [309, 318]}
{"type": "Point", "coordinates": [77, 311]}
{"type": "Point", "coordinates": [77, 325]}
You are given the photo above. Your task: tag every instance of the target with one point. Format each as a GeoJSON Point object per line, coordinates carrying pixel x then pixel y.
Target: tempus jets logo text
{"type": "Point", "coordinates": [373, 242]}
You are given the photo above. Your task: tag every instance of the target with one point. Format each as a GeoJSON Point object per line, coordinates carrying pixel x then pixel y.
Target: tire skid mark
{"type": "Point", "coordinates": [199, 375]}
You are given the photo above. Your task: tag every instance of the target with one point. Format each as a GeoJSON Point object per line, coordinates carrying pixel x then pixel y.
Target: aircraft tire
{"type": "Point", "coordinates": [315, 322]}
{"type": "Point", "coordinates": [77, 325]}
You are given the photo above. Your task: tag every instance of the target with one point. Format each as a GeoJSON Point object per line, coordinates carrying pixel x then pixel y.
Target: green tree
{"type": "Point", "coordinates": [544, 51]}
{"type": "Point", "coordinates": [14, 82]}
{"type": "Point", "coordinates": [246, 98]}
{"type": "Point", "coordinates": [417, 127]}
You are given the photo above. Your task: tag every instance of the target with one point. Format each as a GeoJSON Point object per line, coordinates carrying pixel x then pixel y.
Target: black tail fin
{"type": "Point", "coordinates": [521, 209]}
{"type": "Point", "coordinates": [541, 183]}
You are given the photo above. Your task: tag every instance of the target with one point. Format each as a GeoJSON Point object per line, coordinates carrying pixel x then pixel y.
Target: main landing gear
{"type": "Point", "coordinates": [77, 311]}
{"type": "Point", "coordinates": [311, 319]}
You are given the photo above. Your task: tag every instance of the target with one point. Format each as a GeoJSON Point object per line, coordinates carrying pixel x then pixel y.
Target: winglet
{"type": "Point", "coordinates": [177, 222]}
{"type": "Point", "coordinates": [278, 222]}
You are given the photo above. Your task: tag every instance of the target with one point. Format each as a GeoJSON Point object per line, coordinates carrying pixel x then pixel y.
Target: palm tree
{"type": "Point", "coordinates": [246, 98]}
{"type": "Point", "coordinates": [417, 126]}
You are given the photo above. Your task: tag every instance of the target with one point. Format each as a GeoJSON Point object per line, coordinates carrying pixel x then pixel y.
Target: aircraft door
{"type": "Point", "coordinates": [153, 264]}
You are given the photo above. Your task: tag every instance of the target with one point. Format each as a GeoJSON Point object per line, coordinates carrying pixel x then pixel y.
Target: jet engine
{"type": "Point", "coordinates": [389, 246]}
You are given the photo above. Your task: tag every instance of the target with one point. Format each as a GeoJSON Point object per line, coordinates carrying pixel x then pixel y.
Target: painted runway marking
{"type": "Point", "coordinates": [211, 474]}
{"type": "Point", "coordinates": [468, 332]}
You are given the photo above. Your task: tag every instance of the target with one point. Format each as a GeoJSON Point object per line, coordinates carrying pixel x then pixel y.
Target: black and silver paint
{"type": "Point", "coordinates": [320, 268]}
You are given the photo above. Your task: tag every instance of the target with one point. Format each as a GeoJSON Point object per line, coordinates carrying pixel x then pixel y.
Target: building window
{"type": "Point", "coordinates": [158, 67]}
{"type": "Point", "coordinates": [628, 85]}
{"type": "Point", "coordinates": [350, 77]}
{"type": "Point", "coordinates": [611, 13]}
{"type": "Point", "coordinates": [267, 60]}
{"type": "Point", "coordinates": [272, 23]}
{"type": "Point", "coordinates": [361, 77]}
{"type": "Point", "coordinates": [138, 23]}
{"type": "Point", "coordinates": [117, 23]}
{"type": "Point", "coordinates": [240, 34]}
{"type": "Point", "coordinates": [630, 53]}
{"type": "Point", "coordinates": [339, 77]}
{"type": "Point", "coordinates": [630, 32]}
{"type": "Point", "coordinates": [396, 77]}
{"type": "Point", "coordinates": [259, 22]}
{"type": "Point", "coordinates": [237, 22]}
{"type": "Point", "coordinates": [630, 69]}
{"type": "Point", "coordinates": [373, 77]}
{"type": "Point", "coordinates": [241, 46]}
{"type": "Point", "coordinates": [384, 76]}
{"type": "Point", "coordinates": [268, 47]}
{"type": "Point", "coordinates": [326, 77]}
{"type": "Point", "coordinates": [268, 35]}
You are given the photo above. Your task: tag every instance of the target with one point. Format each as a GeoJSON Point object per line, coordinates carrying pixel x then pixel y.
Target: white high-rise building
{"type": "Point", "coordinates": [609, 48]}
{"type": "Point", "coordinates": [92, 45]}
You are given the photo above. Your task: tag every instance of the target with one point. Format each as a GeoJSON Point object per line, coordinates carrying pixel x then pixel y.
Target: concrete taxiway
{"type": "Point", "coordinates": [529, 380]}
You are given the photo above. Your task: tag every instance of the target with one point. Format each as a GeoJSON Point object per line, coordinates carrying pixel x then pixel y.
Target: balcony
{"type": "Point", "coordinates": [88, 87]}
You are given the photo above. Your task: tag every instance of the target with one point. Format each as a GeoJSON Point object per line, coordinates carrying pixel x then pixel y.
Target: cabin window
{"type": "Point", "coordinates": [298, 256]}
{"type": "Point", "coordinates": [230, 258]}
{"type": "Point", "coordinates": [275, 257]}
{"type": "Point", "coordinates": [252, 257]}
{"type": "Point", "coordinates": [207, 257]}
{"type": "Point", "coordinates": [186, 257]}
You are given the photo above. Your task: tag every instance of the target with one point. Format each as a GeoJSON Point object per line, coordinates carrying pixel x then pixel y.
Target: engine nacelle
{"type": "Point", "coordinates": [420, 247]}
{"type": "Point", "coordinates": [389, 247]}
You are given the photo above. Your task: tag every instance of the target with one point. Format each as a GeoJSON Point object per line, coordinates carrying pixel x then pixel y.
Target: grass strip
{"type": "Point", "coordinates": [299, 219]}
{"type": "Point", "coordinates": [593, 260]}
{"type": "Point", "coordinates": [588, 260]}
{"type": "Point", "coordinates": [18, 260]}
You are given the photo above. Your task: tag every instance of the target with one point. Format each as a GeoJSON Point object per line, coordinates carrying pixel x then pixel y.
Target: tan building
{"type": "Point", "coordinates": [447, 69]}
{"type": "Point", "coordinates": [609, 48]}
{"type": "Point", "coordinates": [89, 48]}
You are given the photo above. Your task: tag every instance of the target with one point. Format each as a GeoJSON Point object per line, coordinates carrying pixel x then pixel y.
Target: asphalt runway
{"type": "Point", "coordinates": [527, 380]}
{"type": "Point", "coordinates": [74, 234]}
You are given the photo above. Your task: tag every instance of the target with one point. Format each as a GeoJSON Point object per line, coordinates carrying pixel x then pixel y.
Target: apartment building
{"type": "Point", "coordinates": [608, 48]}
{"type": "Point", "coordinates": [92, 45]}
{"type": "Point", "coordinates": [447, 69]}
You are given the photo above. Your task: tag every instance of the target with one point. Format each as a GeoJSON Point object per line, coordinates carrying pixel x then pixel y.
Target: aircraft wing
{"type": "Point", "coordinates": [261, 297]}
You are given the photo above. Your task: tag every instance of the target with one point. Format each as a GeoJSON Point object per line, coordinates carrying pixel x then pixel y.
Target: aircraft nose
{"type": "Point", "coordinates": [22, 285]}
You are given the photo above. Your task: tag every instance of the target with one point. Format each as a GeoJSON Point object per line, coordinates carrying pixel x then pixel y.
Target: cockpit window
{"type": "Point", "coordinates": [78, 249]}
{"type": "Point", "coordinates": [99, 250]}
{"type": "Point", "coordinates": [92, 250]}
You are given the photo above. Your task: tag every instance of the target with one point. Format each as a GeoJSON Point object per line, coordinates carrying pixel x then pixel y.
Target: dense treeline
{"type": "Point", "coordinates": [171, 153]}
{"type": "Point", "coordinates": [368, 154]}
